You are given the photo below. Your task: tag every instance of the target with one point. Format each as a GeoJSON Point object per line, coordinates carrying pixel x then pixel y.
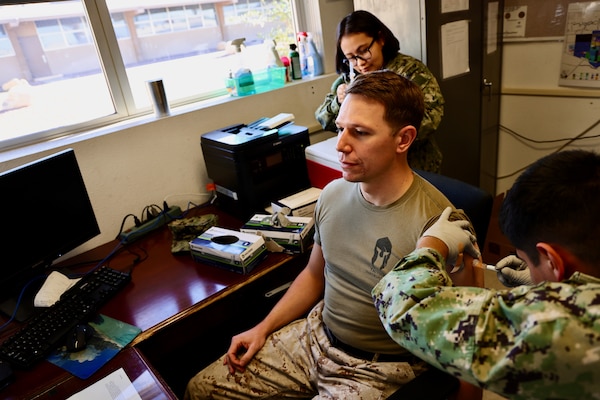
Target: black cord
{"type": "Point", "coordinates": [19, 299]}
{"type": "Point", "coordinates": [135, 219]}
{"type": "Point", "coordinates": [151, 211]}
{"type": "Point", "coordinates": [137, 257]}
{"type": "Point", "coordinates": [102, 262]}
{"type": "Point", "coordinates": [525, 138]}
{"type": "Point", "coordinates": [568, 142]}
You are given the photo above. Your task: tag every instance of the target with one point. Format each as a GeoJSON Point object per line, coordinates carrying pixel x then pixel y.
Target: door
{"type": "Point", "coordinates": [490, 99]}
{"type": "Point", "coordinates": [468, 134]}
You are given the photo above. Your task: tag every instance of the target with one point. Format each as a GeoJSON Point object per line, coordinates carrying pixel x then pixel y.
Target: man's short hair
{"type": "Point", "coordinates": [556, 200]}
{"type": "Point", "coordinates": [402, 99]}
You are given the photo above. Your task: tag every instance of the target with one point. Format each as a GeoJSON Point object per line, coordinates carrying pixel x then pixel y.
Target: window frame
{"type": "Point", "coordinates": [107, 46]}
{"type": "Point", "coordinates": [4, 38]}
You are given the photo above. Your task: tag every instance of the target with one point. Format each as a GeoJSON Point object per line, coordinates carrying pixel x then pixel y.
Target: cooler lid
{"type": "Point", "coordinates": [324, 153]}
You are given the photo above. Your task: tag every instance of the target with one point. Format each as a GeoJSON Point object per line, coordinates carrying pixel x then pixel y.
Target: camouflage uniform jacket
{"type": "Point", "coordinates": [530, 342]}
{"type": "Point", "coordinates": [425, 153]}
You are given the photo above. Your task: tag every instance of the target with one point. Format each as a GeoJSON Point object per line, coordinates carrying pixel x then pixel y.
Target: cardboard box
{"type": "Point", "coordinates": [322, 162]}
{"type": "Point", "coordinates": [233, 250]}
{"type": "Point", "coordinates": [301, 204]}
{"type": "Point", "coordinates": [295, 238]}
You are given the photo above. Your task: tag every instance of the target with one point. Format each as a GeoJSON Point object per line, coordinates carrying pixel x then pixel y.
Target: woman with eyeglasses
{"type": "Point", "coordinates": [365, 44]}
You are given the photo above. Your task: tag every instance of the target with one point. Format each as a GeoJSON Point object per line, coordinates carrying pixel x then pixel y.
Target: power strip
{"type": "Point", "coordinates": [161, 219]}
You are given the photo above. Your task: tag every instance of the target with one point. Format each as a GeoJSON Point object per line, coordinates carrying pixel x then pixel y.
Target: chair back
{"type": "Point", "coordinates": [474, 201]}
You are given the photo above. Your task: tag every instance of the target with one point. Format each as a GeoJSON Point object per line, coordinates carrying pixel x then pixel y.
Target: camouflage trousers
{"type": "Point", "coordinates": [299, 362]}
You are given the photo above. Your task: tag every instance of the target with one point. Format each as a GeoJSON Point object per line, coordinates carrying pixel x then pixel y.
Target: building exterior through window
{"type": "Point", "coordinates": [50, 59]}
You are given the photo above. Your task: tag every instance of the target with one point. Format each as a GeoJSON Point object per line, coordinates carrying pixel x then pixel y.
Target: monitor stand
{"type": "Point", "coordinates": [25, 309]}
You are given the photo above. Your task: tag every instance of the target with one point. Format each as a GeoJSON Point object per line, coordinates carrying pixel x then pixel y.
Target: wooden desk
{"type": "Point", "coordinates": [180, 305]}
{"type": "Point", "coordinates": [49, 382]}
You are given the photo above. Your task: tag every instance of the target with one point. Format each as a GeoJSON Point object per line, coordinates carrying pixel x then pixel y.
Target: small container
{"type": "Point", "coordinates": [156, 90]}
{"type": "Point", "coordinates": [295, 68]}
{"type": "Point", "coordinates": [241, 83]}
{"type": "Point", "coordinates": [269, 78]}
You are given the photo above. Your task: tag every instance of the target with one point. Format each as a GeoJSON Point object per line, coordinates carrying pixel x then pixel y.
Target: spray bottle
{"type": "Point", "coordinates": [242, 77]}
{"type": "Point", "coordinates": [303, 52]}
{"type": "Point", "coordinates": [314, 60]}
{"type": "Point", "coordinates": [273, 56]}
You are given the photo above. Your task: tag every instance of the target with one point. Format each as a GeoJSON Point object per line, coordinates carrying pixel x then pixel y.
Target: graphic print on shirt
{"type": "Point", "coordinates": [381, 253]}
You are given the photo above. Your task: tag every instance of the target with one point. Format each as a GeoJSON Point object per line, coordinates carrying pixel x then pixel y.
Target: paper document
{"type": "Point", "coordinates": [455, 48]}
{"type": "Point", "coordinates": [54, 286]}
{"type": "Point", "coordinates": [116, 386]}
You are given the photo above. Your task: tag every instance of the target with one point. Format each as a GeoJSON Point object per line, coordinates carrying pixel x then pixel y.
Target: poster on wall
{"type": "Point", "coordinates": [581, 52]}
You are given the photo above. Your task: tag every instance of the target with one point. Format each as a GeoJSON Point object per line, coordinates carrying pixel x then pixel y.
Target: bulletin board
{"type": "Point", "coordinates": [545, 18]}
{"type": "Point", "coordinates": [581, 50]}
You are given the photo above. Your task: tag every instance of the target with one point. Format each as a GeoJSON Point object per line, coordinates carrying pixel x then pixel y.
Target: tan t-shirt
{"type": "Point", "coordinates": [361, 243]}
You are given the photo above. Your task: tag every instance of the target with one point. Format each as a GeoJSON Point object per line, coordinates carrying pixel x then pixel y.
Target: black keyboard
{"type": "Point", "coordinates": [45, 331]}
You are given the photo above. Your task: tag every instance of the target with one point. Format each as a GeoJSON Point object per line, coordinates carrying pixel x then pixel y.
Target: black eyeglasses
{"type": "Point", "coordinates": [364, 55]}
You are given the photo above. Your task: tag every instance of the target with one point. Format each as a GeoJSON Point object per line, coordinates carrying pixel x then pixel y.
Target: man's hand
{"type": "Point", "coordinates": [455, 235]}
{"type": "Point", "coordinates": [512, 272]}
{"type": "Point", "coordinates": [242, 349]}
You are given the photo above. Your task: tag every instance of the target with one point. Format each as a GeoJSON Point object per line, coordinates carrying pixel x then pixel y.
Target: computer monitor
{"type": "Point", "coordinates": [46, 213]}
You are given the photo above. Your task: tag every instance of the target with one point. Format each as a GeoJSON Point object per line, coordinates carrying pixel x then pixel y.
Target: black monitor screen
{"type": "Point", "coordinates": [46, 212]}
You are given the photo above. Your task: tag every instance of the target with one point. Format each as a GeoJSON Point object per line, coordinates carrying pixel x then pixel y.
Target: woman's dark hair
{"type": "Point", "coordinates": [361, 21]}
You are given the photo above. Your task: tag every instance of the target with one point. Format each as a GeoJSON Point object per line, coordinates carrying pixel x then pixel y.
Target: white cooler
{"type": "Point", "coordinates": [322, 162]}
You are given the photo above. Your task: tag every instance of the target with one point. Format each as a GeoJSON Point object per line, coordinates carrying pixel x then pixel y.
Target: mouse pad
{"type": "Point", "coordinates": [108, 338]}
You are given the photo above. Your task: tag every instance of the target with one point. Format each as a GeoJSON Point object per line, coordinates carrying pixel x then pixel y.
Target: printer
{"type": "Point", "coordinates": [252, 165]}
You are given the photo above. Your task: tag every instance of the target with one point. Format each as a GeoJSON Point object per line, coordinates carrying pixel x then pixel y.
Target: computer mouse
{"type": "Point", "coordinates": [77, 339]}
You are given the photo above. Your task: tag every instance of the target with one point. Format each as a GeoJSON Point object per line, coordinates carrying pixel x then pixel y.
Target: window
{"type": "Point", "coordinates": [64, 32]}
{"type": "Point", "coordinates": [172, 19]}
{"type": "Point", "coordinates": [236, 12]}
{"type": "Point", "coordinates": [72, 80]}
{"type": "Point", "coordinates": [120, 26]}
{"type": "Point", "coordinates": [6, 49]}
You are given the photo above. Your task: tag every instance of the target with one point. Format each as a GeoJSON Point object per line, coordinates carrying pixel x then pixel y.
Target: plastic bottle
{"type": "Point", "coordinates": [286, 63]}
{"type": "Point", "coordinates": [296, 71]}
{"type": "Point", "coordinates": [314, 60]}
{"type": "Point", "coordinates": [273, 56]}
{"type": "Point", "coordinates": [230, 84]}
{"type": "Point", "coordinates": [303, 52]}
{"type": "Point", "coordinates": [243, 78]}
{"type": "Point", "coordinates": [275, 69]}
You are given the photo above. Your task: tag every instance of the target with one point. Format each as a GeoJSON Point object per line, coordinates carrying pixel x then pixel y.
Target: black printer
{"type": "Point", "coordinates": [252, 165]}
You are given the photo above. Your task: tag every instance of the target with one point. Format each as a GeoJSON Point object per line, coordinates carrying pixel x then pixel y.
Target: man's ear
{"type": "Point", "coordinates": [553, 258]}
{"type": "Point", "coordinates": [406, 136]}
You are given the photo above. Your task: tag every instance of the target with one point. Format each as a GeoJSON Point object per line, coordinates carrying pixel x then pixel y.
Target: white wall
{"type": "Point", "coordinates": [533, 105]}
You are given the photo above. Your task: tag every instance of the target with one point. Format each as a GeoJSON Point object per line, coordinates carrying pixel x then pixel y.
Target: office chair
{"type": "Point", "coordinates": [430, 385]}
{"type": "Point", "coordinates": [477, 204]}
{"type": "Point", "coordinates": [474, 201]}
